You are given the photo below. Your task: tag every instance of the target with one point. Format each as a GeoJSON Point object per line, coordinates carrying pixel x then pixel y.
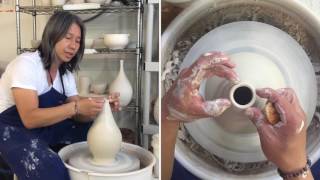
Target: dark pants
{"type": "Point", "coordinates": [28, 152]}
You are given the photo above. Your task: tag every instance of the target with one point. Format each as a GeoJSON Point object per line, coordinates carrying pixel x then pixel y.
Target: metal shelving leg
{"type": "Point", "coordinates": [147, 74]}
{"type": "Point", "coordinates": [139, 69]}
{"type": "Point", "coordinates": [34, 20]}
{"type": "Point", "coordinates": [18, 26]}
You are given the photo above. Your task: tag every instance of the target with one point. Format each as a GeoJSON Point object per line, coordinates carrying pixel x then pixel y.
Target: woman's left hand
{"type": "Point", "coordinates": [114, 99]}
{"type": "Point", "coordinates": [183, 100]}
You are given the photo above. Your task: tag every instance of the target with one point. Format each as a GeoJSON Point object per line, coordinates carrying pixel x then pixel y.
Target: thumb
{"type": "Point", "coordinates": [216, 107]}
{"type": "Point", "coordinates": [256, 116]}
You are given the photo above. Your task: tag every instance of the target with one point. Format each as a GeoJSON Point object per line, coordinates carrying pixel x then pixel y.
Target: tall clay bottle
{"type": "Point", "coordinates": [104, 137]}
{"type": "Point", "coordinates": [122, 85]}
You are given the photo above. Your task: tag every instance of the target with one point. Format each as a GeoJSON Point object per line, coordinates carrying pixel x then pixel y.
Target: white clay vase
{"type": "Point", "coordinates": [122, 85]}
{"type": "Point", "coordinates": [104, 137]}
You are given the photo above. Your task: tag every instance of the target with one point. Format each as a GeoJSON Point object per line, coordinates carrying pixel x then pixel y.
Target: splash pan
{"type": "Point", "coordinates": [76, 158]}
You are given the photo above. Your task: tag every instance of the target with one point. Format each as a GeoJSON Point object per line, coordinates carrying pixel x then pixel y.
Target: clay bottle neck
{"type": "Point", "coordinates": [242, 95]}
{"type": "Point", "coordinates": [121, 66]}
{"type": "Point", "coordinates": [106, 113]}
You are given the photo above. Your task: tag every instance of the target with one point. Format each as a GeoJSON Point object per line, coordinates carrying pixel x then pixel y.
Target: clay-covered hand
{"type": "Point", "coordinates": [90, 107]}
{"type": "Point", "coordinates": [183, 100]}
{"type": "Point", "coordinates": [114, 101]}
{"type": "Point", "coordinates": [285, 142]}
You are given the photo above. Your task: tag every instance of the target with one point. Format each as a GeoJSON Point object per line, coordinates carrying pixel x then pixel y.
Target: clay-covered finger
{"type": "Point", "coordinates": [98, 99]}
{"type": "Point", "coordinates": [225, 72]}
{"type": "Point", "coordinates": [288, 93]}
{"type": "Point", "coordinates": [228, 64]}
{"type": "Point", "coordinates": [216, 107]}
{"type": "Point", "coordinates": [211, 58]}
{"type": "Point", "coordinates": [268, 93]}
{"type": "Point", "coordinates": [256, 116]}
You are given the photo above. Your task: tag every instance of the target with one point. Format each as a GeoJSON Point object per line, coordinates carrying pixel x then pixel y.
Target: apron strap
{"type": "Point", "coordinates": [63, 90]}
{"type": "Point", "coordinates": [62, 82]}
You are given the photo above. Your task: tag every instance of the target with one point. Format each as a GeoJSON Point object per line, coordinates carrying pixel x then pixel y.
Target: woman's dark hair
{"type": "Point", "coordinates": [57, 27]}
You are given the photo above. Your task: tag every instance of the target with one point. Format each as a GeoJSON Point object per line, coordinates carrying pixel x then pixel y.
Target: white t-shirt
{"type": "Point", "coordinates": [27, 71]}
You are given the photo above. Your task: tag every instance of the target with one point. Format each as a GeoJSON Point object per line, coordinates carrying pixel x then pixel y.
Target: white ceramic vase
{"type": "Point", "coordinates": [84, 85]}
{"type": "Point", "coordinates": [104, 137]}
{"type": "Point", "coordinates": [122, 85]}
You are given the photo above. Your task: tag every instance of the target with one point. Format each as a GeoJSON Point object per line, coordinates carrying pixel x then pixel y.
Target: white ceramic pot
{"type": "Point", "coordinates": [123, 86]}
{"type": "Point", "coordinates": [84, 85]}
{"type": "Point", "coordinates": [258, 63]}
{"type": "Point", "coordinates": [116, 41]}
{"type": "Point", "coordinates": [146, 158]}
{"type": "Point", "coordinates": [99, 88]}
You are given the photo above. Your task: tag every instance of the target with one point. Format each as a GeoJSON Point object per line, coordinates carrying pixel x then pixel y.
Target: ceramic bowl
{"type": "Point", "coordinates": [116, 41]}
{"type": "Point", "coordinates": [99, 88]}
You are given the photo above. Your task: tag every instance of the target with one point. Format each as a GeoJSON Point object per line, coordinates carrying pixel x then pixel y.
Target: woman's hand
{"type": "Point", "coordinates": [183, 100]}
{"type": "Point", "coordinates": [114, 99]}
{"type": "Point", "coordinates": [285, 142]}
{"type": "Point", "coordinates": [90, 107]}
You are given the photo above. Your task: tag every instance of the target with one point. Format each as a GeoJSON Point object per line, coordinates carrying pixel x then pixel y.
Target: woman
{"type": "Point", "coordinates": [39, 105]}
{"type": "Point", "coordinates": [284, 143]}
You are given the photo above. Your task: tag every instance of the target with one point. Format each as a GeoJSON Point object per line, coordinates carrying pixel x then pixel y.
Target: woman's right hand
{"type": "Point", "coordinates": [90, 107]}
{"type": "Point", "coordinates": [285, 142]}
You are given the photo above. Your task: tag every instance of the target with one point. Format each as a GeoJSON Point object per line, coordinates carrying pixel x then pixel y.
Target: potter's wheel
{"type": "Point", "coordinates": [288, 15]}
{"type": "Point", "coordinates": [138, 167]}
{"type": "Point", "coordinates": [264, 56]}
{"type": "Point", "coordinates": [81, 158]}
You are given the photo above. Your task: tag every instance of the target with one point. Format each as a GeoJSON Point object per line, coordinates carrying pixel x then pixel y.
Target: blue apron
{"type": "Point", "coordinates": [28, 152]}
